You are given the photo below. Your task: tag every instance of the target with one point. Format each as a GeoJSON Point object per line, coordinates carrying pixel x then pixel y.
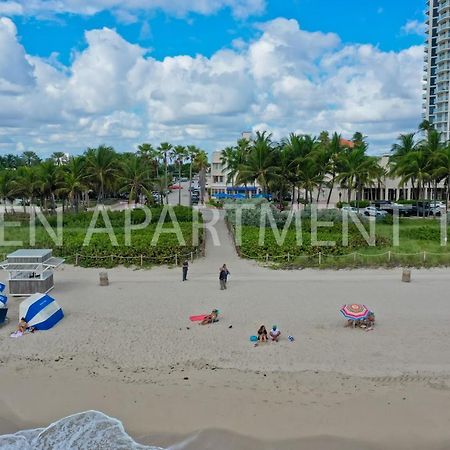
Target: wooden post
{"type": "Point", "coordinates": [104, 279]}
{"type": "Point", "coordinates": [424, 256]}
{"type": "Point", "coordinates": [320, 258]}
{"type": "Point", "coordinates": [289, 257]}
{"type": "Point", "coordinates": [76, 259]}
{"type": "Point", "coordinates": [406, 276]}
{"type": "Point", "coordinates": [176, 259]}
{"type": "Point", "coordinates": [142, 260]}
{"type": "Point", "coordinates": [267, 257]}
{"type": "Point", "coordinates": [192, 256]}
{"type": "Point", "coordinates": [389, 256]}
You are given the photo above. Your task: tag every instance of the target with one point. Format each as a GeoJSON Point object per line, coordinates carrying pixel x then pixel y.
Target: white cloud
{"type": "Point", "coordinates": [285, 79]}
{"type": "Point", "coordinates": [414, 27]}
{"type": "Point", "coordinates": [16, 73]}
{"type": "Point", "coordinates": [11, 8]}
{"type": "Point", "coordinates": [127, 10]}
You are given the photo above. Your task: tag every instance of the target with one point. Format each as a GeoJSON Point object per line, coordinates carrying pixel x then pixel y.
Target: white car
{"type": "Point", "coordinates": [371, 211]}
{"type": "Point", "coordinates": [350, 209]}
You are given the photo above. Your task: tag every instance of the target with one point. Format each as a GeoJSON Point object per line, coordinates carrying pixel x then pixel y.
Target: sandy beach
{"type": "Point", "coordinates": [130, 351]}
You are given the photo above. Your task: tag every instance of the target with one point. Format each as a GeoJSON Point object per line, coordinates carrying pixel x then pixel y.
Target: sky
{"type": "Point", "coordinates": [77, 74]}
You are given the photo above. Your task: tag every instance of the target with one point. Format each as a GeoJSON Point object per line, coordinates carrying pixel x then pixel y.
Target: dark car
{"type": "Point", "coordinates": [390, 207]}
{"type": "Point", "coordinates": [424, 209]}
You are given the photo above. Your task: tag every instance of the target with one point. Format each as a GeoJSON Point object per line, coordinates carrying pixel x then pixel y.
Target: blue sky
{"type": "Point", "coordinates": [378, 22]}
{"type": "Point", "coordinates": [75, 74]}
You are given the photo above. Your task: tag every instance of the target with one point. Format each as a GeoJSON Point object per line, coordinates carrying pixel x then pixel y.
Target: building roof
{"type": "Point", "coordinates": [347, 143]}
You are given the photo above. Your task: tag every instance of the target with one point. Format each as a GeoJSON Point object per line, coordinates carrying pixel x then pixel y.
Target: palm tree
{"type": "Point", "coordinates": [306, 151]}
{"type": "Point", "coordinates": [164, 150]}
{"type": "Point", "coordinates": [406, 145]}
{"type": "Point", "coordinates": [415, 166]}
{"type": "Point", "coordinates": [134, 178]}
{"type": "Point", "coordinates": [432, 145]}
{"type": "Point", "coordinates": [59, 158]}
{"type": "Point", "coordinates": [179, 154]}
{"type": "Point", "coordinates": [25, 185]}
{"type": "Point", "coordinates": [191, 151]}
{"type": "Point", "coordinates": [442, 170]}
{"type": "Point", "coordinates": [48, 173]}
{"type": "Point", "coordinates": [335, 149]}
{"type": "Point", "coordinates": [295, 151]}
{"type": "Point", "coordinates": [356, 169]}
{"type": "Point", "coordinates": [230, 162]}
{"type": "Point", "coordinates": [310, 175]}
{"type": "Point", "coordinates": [30, 158]}
{"type": "Point", "coordinates": [101, 165]}
{"type": "Point", "coordinates": [149, 155]}
{"type": "Point", "coordinates": [201, 164]}
{"type": "Point", "coordinates": [74, 181]}
{"type": "Point", "coordinates": [260, 164]}
{"type": "Point", "coordinates": [6, 188]}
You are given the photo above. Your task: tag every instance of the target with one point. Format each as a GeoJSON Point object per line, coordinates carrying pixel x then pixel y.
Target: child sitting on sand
{"type": "Point", "coordinates": [22, 326]}
{"type": "Point", "coordinates": [262, 334]}
{"type": "Point", "coordinates": [275, 333]}
{"type": "Point", "coordinates": [211, 318]}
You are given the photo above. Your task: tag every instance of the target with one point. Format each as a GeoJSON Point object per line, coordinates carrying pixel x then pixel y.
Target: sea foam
{"type": "Point", "coordinates": [91, 430]}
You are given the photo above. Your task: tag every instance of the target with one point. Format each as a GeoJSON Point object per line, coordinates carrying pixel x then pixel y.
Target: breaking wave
{"type": "Point", "coordinates": [91, 430]}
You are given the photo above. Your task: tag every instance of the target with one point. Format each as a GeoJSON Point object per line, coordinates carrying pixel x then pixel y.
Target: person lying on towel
{"type": "Point", "coordinates": [211, 318]}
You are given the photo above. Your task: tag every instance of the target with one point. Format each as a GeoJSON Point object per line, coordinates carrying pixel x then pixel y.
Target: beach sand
{"type": "Point", "coordinates": [130, 351]}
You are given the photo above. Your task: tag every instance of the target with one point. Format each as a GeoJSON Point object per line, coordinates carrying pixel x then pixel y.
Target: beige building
{"type": "Point", "coordinates": [387, 189]}
{"type": "Point", "coordinates": [219, 183]}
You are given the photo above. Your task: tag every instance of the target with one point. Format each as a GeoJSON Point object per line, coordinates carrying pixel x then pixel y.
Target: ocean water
{"type": "Point", "coordinates": [91, 430]}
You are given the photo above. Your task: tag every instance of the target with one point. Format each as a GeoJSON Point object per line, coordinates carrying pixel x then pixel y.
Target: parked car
{"type": "Point", "coordinates": [391, 207]}
{"type": "Point", "coordinates": [175, 186]}
{"type": "Point", "coordinates": [425, 209]}
{"type": "Point", "coordinates": [437, 208]}
{"type": "Point", "coordinates": [372, 211]}
{"type": "Point", "coordinates": [195, 199]}
{"type": "Point", "coordinates": [350, 209]}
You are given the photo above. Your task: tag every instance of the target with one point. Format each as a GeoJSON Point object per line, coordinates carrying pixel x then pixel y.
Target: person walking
{"type": "Point", "coordinates": [223, 276]}
{"type": "Point", "coordinates": [185, 269]}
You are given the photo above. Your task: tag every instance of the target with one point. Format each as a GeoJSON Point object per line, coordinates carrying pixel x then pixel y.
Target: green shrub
{"type": "Point", "coordinates": [423, 233]}
{"type": "Point", "coordinates": [101, 252]}
{"type": "Point", "coordinates": [215, 203]}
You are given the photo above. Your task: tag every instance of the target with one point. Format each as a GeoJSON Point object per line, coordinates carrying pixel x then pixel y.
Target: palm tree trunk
{"type": "Point", "coordinates": [202, 186]}
{"type": "Point", "coordinates": [330, 192]}
{"type": "Point", "coordinates": [179, 182]}
{"type": "Point", "coordinates": [190, 183]}
{"type": "Point", "coordinates": [166, 187]}
{"type": "Point", "coordinates": [446, 194]}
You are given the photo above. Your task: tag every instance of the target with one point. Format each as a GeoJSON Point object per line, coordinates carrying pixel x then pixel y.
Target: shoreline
{"type": "Point", "coordinates": [309, 406]}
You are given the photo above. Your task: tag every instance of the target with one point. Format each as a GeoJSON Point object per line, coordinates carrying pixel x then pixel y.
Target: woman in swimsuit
{"type": "Point", "coordinates": [262, 334]}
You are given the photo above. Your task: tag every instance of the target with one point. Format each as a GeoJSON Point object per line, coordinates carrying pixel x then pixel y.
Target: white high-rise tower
{"type": "Point", "coordinates": [437, 66]}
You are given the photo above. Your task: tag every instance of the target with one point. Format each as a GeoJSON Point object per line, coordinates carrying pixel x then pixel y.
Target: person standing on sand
{"type": "Point", "coordinates": [223, 276]}
{"type": "Point", "coordinates": [185, 269]}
